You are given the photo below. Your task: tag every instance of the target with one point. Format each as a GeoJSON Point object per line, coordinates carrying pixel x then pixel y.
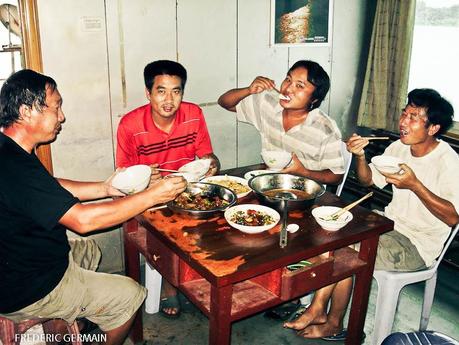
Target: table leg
{"type": "Point", "coordinates": [361, 292]}
{"type": "Point", "coordinates": [220, 315]}
{"type": "Point", "coordinates": [132, 267]}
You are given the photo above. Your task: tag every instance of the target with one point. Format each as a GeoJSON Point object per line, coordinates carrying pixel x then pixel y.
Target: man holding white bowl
{"type": "Point", "coordinates": [41, 276]}
{"type": "Point", "coordinates": [167, 133]}
{"type": "Point", "coordinates": [424, 206]}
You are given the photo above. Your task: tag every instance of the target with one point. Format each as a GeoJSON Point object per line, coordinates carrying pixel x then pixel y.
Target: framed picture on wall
{"type": "Point", "coordinates": [301, 22]}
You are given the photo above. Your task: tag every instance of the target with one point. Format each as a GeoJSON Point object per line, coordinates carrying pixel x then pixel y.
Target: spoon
{"type": "Point", "coordinates": [281, 95]}
{"type": "Point", "coordinates": [285, 196]}
{"type": "Point", "coordinates": [292, 228]}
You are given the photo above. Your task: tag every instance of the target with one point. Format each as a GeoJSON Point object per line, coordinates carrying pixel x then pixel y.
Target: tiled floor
{"type": "Point", "coordinates": [191, 328]}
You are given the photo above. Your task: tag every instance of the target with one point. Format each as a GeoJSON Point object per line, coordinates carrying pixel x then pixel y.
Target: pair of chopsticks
{"type": "Point", "coordinates": [166, 170]}
{"type": "Point", "coordinates": [376, 138]}
{"type": "Point", "coordinates": [337, 214]}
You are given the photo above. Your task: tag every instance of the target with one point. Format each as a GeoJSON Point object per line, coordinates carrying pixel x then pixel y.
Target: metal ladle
{"type": "Point", "coordinates": [284, 197]}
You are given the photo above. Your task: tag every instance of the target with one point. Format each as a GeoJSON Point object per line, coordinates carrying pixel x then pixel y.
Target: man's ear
{"type": "Point", "coordinates": [24, 112]}
{"type": "Point", "coordinates": [433, 129]}
{"type": "Point", "coordinates": [147, 93]}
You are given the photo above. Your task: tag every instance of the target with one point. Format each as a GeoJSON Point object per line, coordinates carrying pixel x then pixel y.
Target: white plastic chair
{"type": "Point", "coordinates": [347, 165]}
{"type": "Point", "coordinates": [389, 286]}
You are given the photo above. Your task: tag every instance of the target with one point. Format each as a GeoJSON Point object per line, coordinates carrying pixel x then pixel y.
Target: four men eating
{"type": "Point", "coordinates": [31, 114]}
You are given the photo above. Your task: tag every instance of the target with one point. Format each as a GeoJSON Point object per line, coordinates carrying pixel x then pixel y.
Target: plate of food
{"type": "Point", "coordinates": [238, 185]}
{"type": "Point", "coordinates": [253, 173]}
{"type": "Point", "coordinates": [251, 218]}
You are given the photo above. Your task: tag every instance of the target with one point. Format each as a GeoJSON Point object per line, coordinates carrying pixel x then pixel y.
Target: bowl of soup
{"type": "Point", "coordinates": [279, 190]}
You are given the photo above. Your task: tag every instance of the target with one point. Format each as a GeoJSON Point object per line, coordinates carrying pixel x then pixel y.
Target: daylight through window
{"type": "Point", "coordinates": [435, 51]}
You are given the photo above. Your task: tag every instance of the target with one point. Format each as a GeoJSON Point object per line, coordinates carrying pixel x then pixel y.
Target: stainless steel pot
{"type": "Point", "coordinates": [286, 191]}
{"type": "Point", "coordinates": [208, 190]}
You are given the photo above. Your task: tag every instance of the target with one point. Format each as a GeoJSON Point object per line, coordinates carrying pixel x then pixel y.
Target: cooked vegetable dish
{"type": "Point", "coordinates": [236, 187]}
{"type": "Point", "coordinates": [200, 202]}
{"type": "Point", "coordinates": [251, 218]}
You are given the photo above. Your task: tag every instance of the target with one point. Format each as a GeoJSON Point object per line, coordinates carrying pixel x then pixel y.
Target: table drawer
{"type": "Point", "coordinates": [162, 259]}
{"type": "Point", "coordinates": [293, 282]}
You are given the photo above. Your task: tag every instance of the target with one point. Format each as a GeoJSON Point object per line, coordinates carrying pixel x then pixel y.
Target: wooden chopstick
{"type": "Point", "coordinates": [277, 91]}
{"type": "Point", "coordinates": [376, 138]}
{"type": "Point", "coordinates": [166, 170]}
{"type": "Point", "coordinates": [154, 208]}
{"type": "Point", "coordinates": [339, 213]}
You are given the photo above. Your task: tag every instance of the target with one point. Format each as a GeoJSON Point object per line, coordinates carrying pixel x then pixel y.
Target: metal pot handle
{"type": "Point", "coordinates": [283, 232]}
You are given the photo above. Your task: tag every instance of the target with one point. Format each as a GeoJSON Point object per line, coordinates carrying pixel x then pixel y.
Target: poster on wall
{"type": "Point", "coordinates": [301, 22]}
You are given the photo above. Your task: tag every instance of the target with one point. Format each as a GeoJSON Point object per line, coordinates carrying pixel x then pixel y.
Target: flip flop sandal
{"type": "Point", "coordinates": [341, 336]}
{"type": "Point", "coordinates": [282, 312]}
{"type": "Point", "coordinates": [171, 302]}
{"type": "Point", "coordinates": [298, 265]}
{"type": "Point", "coordinates": [298, 312]}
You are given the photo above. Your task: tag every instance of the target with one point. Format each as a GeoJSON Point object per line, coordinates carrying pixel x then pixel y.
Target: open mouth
{"type": "Point", "coordinates": [284, 97]}
{"type": "Point", "coordinates": [168, 108]}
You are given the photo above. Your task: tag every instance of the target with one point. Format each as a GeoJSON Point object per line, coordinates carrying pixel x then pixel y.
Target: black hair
{"type": "Point", "coordinates": [25, 87]}
{"type": "Point", "coordinates": [316, 76]}
{"type": "Point", "coordinates": [439, 111]}
{"type": "Point", "coordinates": [163, 67]}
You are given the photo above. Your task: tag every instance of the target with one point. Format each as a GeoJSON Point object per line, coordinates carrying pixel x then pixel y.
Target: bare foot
{"type": "Point", "coordinates": [309, 317]}
{"type": "Point", "coordinates": [170, 304]}
{"type": "Point", "coordinates": [319, 331]}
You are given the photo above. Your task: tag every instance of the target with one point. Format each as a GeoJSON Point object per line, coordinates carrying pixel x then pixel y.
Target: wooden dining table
{"type": "Point", "coordinates": [230, 275]}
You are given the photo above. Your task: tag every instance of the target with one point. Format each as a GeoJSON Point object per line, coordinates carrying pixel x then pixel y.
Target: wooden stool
{"type": "Point", "coordinates": [10, 331]}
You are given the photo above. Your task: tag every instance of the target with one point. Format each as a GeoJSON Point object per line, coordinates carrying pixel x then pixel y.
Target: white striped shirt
{"type": "Point", "coordinates": [316, 141]}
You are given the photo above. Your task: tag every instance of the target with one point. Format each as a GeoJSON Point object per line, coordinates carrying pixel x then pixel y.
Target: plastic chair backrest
{"type": "Point", "coordinates": [347, 165]}
{"type": "Point", "coordinates": [445, 247]}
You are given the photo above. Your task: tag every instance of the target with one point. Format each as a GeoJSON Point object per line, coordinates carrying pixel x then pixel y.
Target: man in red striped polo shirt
{"type": "Point", "coordinates": [165, 133]}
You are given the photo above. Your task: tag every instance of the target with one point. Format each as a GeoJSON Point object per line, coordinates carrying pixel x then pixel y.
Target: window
{"type": "Point", "coordinates": [435, 51]}
{"type": "Point", "coordinates": [10, 40]}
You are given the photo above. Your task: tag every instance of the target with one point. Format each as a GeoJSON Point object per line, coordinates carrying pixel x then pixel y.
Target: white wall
{"type": "Point", "coordinates": [74, 50]}
{"type": "Point", "coordinates": [96, 50]}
